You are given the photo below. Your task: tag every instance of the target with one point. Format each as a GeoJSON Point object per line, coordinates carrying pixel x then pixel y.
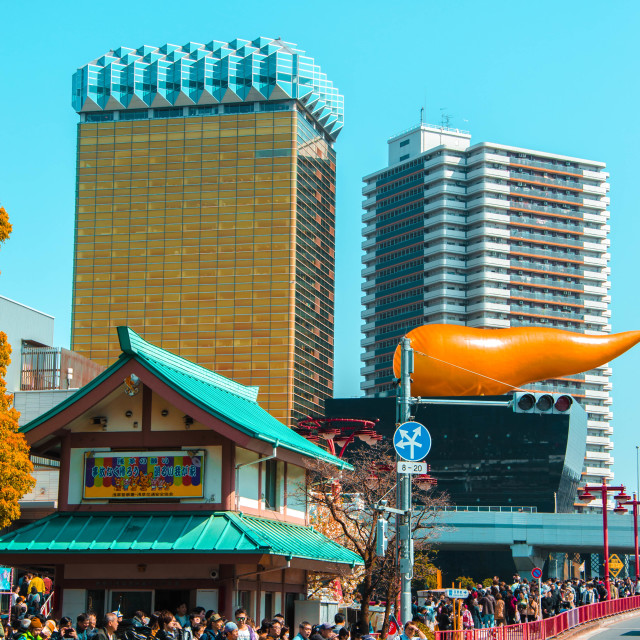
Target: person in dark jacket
{"type": "Point", "coordinates": [547, 605]}
{"type": "Point", "coordinates": [169, 627]}
{"type": "Point", "coordinates": [109, 628]}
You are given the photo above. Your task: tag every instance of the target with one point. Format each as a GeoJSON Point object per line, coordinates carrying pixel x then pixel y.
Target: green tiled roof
{"type": "Point", "coordinates": [216, 533]}
{"type": "Point", "coordinates": [223, 398]}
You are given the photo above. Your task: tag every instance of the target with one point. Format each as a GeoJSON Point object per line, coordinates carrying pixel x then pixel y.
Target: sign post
{"type": "Point", "coordinates": [412, 443]}
{"type": "Point", "coordinates": [536, 573]}
{"type": "Point", "coordinates": [403, 491]}
{"type": "Point", "coordinates": [615, 565]}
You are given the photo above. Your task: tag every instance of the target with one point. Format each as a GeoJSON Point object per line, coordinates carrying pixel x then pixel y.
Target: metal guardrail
{"type": "Point", "coordinates": [490, 508]}
{"type": "Point", "coordinates": [548, 628]}
{"type": "Point", "coordinates": [47, 607]}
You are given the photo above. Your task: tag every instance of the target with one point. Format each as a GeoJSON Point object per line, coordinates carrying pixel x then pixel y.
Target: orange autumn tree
{"type": "Point", "coordinates": [15, 466]}
{"type": "Point", "coordinates": [342, 585]}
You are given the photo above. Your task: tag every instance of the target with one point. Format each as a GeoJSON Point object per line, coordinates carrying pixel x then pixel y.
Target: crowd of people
{"type": "Point", "coordinates": [31, 592]}
{"type": "Point", "coordinates": [498, 604]}
{"type": "Point", "coordinates": [505, 604]}
{"type": "Point", "coordinates": [165, 625]}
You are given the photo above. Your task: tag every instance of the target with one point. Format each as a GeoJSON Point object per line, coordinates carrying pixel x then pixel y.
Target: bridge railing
{"type": "Point", "coordinates": [548, 628]}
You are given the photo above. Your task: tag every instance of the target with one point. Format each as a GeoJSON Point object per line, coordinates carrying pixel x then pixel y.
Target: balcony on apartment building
{"type": "Point", "coordinates": [53, 368]}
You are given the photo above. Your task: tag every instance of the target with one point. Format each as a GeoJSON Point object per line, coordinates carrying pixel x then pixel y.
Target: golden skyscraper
{"type": "Point", "coordinates": [205, 213]}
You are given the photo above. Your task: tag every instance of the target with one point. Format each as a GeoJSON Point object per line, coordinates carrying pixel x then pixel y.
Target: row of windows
{"type": "Point", "coordinates": [398, 254]}
{"type": "Point", "coordinates": [398, 239]}
{"type": "Point", "coordinates": [399, 267]}
{"type": "Point", "coordinates": [402, 196]}
{"type": "Point", "coordinates": [409, 293]}
{"type": "Point", "coordinates": [392, 284]}
{"type": "Point", "coordinates": [179, 112]}
{"type": "Point", "coordinates": [397, 326]}
{"type": "Point", "coordinates": [408, 209]}
{"type": "Point", "coordinates": [397, 183]}
{"type": "Point", "coordinates": [222, 123]}
{"type": "Point", "coordinates": [196, 139]}
{"type": "Point", "coordinates": [417, 306]}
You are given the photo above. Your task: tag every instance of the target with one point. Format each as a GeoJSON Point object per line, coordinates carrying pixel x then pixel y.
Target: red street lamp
{"type": "Point", "coordinates": [635, 502]}
{"type": "Point", "coordinates": [338, 433]}
{"type": "Point", "coordinates": [587, 496]}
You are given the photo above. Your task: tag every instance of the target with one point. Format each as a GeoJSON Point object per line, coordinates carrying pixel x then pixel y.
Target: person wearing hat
{"type": "Point", "coordinates": [30, 629]}
{"type": "Point", "coordinates": [49, 629]}
{"type": "Point", "coordinates": [231, 631]}
{"type": "Point", "coordinates": [326, 630]}
{"type": "Point", "coordinates": [214, 627]}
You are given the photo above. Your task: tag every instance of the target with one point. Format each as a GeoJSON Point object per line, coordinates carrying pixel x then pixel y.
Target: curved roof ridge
{"type": "Point", "coordinates": [134, 344]}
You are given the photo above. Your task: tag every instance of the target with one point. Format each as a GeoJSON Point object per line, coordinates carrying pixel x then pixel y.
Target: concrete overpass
{"type": "Point", "coordinates": [531, 536]}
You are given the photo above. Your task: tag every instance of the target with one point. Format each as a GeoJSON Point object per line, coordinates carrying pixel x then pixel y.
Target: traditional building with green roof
{"type": "Point", "coordinates": [175, 486]}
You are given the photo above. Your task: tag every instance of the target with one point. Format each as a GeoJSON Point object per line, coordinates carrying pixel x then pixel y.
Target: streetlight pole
{"type": "Point", "coordinates": [637, 471]}
{"type": "Point", "coordinates": [587, 496]}
{"type": "Point", "coordinates": [404, 485]}
{"type": "Point", "coordinates": [635, 502]}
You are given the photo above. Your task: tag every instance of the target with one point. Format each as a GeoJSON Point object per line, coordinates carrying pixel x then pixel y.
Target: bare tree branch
{"type": "Point", "coordinates": [347, 506]}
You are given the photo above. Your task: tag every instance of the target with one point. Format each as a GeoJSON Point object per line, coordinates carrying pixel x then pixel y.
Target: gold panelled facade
{"type": "Point", "coordinates": [213, 237]}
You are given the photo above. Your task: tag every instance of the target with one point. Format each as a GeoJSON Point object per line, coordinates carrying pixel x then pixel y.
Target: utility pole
{"type": "Point", "coordinates": [403, 502]}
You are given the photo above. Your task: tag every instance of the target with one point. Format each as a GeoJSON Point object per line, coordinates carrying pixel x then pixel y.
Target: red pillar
{"type": "Point", "coordinates": [635, 534]}
{"type": "Point", "coordinates": [607, 583]}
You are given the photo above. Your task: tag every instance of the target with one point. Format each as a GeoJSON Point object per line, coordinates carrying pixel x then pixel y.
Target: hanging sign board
{"type": "Point", "coordinates": [153, 474]}
{"type": "Point", "coordinates": [6, 579]}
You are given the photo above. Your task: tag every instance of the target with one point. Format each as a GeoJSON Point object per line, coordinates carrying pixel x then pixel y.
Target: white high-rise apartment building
{"type": "Point", "coordinates": [490, 236]}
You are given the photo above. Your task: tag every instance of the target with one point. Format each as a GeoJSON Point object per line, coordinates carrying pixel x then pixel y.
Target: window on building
{"type": "Point", "coordinates": [101, 116]}
{"type": "Point", "coordinates": [404, 157]}
{"type": "Point", "coordinates": [271, 484]}
{"type": "Point", "coordinates": [268, 605]}
{"type": "Point", "coordinates": [404, 143]}
{"type": "Point", "coordinates": [175, 112]}
{"type": "Point", "coordinates": [238, 108]}
{"type": "Point", "coordinates": [136, 114]}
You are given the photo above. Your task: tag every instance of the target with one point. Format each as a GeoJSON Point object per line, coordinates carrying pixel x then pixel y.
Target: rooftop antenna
{"type": "Point", "coordinates": [445, 118]}
{"type": "Point", "coordinates": [421, 115]}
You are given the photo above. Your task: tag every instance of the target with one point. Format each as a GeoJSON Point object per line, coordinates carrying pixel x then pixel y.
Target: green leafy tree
{"type": "Point", "coordinates": [465, 582]}
{"type": "Point", "coordinates": [15, 466]}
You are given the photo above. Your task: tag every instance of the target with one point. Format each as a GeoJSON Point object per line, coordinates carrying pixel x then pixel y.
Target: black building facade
{"type": "Point", "coordinates": [487, 455]}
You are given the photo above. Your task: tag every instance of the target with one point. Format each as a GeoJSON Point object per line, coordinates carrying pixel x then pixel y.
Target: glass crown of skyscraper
{"type": "Point", "coordinates": [263, 69]}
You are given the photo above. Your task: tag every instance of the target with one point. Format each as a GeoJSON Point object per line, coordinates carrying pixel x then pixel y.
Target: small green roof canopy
{"type": "Point", "coordinates": [219, 532]}
{"type": "Point", "coordinates": [229, 401]}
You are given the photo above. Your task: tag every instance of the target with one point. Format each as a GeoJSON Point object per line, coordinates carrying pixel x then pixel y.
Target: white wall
{"type": "Point", "coordinates": [74, 602]}
{"type": "Point", "coordinates": [207, 598]}
{"type": "Point", "coordinates": [32, 404]}
{"type": "Point", "coordinates": [248, 495]}
{"type": "Point", "coordinates": [296, 484]}
{"type": "Point", "coordinates": [422, 139]}
{"type": "Point", "coordinates": [20, 323]}
{"type": "Point", "coordinates": [46, 489]}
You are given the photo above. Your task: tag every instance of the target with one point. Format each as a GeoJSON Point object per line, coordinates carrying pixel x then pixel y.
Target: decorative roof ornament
{"type": "Point", "coordinates": [263, 69]}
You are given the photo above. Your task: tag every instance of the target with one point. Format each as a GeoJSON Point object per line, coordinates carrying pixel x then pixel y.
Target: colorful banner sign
{"type": "Point", "coordinates": [6, 575]}
{"type": "Point", "coordinates": [156, 474]}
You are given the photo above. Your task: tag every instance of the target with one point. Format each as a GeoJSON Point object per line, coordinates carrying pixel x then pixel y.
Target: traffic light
{"type": "Point", "coordinates": [381, 537]}
{"type": "Point", "coordinates": [541, 403]}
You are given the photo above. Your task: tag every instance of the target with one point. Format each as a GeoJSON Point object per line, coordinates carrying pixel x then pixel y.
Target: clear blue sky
{"type": "Point", "coordinates": [548, 75]}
